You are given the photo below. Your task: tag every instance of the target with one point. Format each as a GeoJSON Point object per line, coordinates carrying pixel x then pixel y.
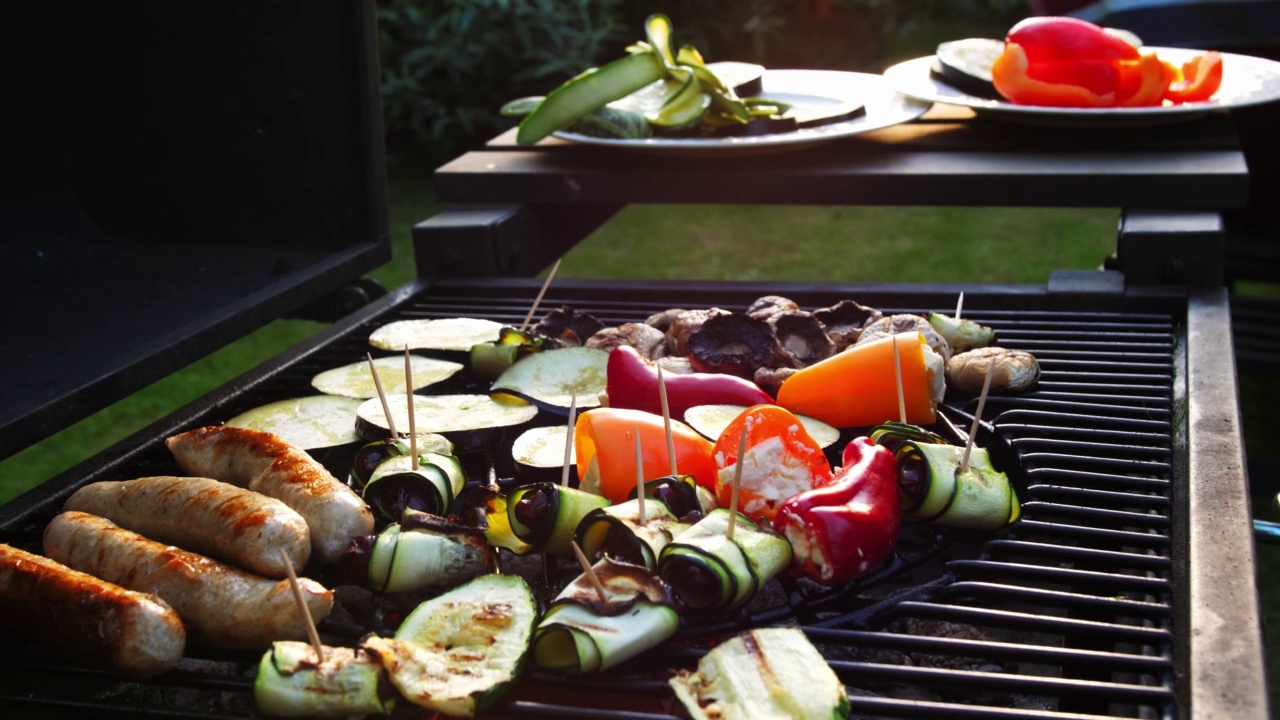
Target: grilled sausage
{"type": "Point", "coordinates": [206, 516]}
{"type": "Point", "coordinates": [126, 633]}
{"type": "Point", "coordinates": [220, 605]}
{"type": "Point", "coordinates": [262, 462]}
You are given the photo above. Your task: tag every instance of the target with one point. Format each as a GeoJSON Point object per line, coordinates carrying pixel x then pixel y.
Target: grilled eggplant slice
{"type": "Point", "coordinates": [442, 334]}
{"type": "Point", "coordinates": [355, 380]}
{"type": "Point", "coordinates": [470, 422]}
{"type": "Point", "coordinates": [552, 378]}
{"type": "Point", "coordinates": [966, 65]}
{"type": "Point", "coordinates": [711, 420]}
{"type": "Point", "coordinates": [312, 422]}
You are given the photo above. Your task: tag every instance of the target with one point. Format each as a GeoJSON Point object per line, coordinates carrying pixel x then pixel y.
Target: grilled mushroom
{"type": "Point", "coordinates": [802, 337]}
{"type": "Point", "coordinates": [770, 306]}
{"type": "Point", "coordinates": [662, 320]}
{"type": "Point", "coordinates": [675, 364]}
{"type": "Point", "coordinates": [686, 323]}
{"type": "Point", "coordinates": [735, 344]}
{"type": "Point", "coordinates": [1015, 370]}
{"type": "Point", "coordinates": [845, 320]}
{"type": "Point", "coordinates": [770, 379]}
{"type": "Point", "coordinates": [898, 324]}
{"type": "Point", "coordinates": [568, 326]}
{"type": "Point", "coordinates": [647, 339]}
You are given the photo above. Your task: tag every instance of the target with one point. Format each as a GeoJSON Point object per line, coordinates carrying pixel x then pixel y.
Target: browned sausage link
{"type": "Point", "coordinates": [264, 463]}
{"type": "Point", "coordinates": [220, 605]}
{"type": "Point", "coordinates": [203, 515]}
{"type": "Point", "coordinates": [126, 633]}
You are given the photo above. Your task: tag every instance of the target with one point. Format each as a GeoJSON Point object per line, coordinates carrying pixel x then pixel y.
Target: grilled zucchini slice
{"type": "Point", "coordinates": [457, 653]}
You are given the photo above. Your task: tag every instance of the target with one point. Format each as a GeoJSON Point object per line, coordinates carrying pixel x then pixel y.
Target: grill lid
{"type": "Point", "coordinates": [144, 229]}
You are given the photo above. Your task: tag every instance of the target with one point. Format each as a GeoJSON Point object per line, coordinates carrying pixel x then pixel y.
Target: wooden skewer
{"type": "Point", "coordinates": [737, 480]}
{"type": "Point", "coordinates": [302, 604]}
{"type": "Point", "coordinates": [666, 420]}
{"type": "Point", "coordinates": [413, 429]}
{"type": "Point", "coordinates": [568, 440]}
{"type": "Point", "coordinates": [543, 291]}
{"type": "Point", "coordinates": [386, 409]}
{"type": "Point", "coordinates": [973, 429]}
{"type": "Point", "coordinates": [897, 376]}
{"type": "Point", "coordinates": [959, 304]}
{"type": "Point", "coordinates": [589, 572]}
{"type": "Point", "coordinates": [639, 479]}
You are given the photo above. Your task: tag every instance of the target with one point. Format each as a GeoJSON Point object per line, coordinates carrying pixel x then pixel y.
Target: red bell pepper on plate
{"type": "Point", "coordinates": [1198, 80]}
{"type": "Point", "coordinates": [1068, 39]}
{"type": "Point", "coordinates": [844, 530]}
{"type": "Point", "coordinates": [1065, 62]}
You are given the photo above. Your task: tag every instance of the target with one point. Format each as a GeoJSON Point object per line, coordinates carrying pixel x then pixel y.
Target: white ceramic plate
{"type": "Point", "coordinates": [1246, 80]}
{"type": "Point", "coordinates": [804, 88]}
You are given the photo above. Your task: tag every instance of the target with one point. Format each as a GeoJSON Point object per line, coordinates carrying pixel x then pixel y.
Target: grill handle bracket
{"type": "Point", "coordinates": [1172, 247]}
{"type": "Point", "coordinates": [501, 240]}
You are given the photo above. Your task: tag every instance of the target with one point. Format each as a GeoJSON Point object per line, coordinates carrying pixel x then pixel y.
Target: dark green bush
{"type": "Point", "coordinates": [449, 65]}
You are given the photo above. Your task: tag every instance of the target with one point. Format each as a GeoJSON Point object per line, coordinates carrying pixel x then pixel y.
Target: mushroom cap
{"type": "Point", "coordinates": [568, 326]}
{"type": "Point", "coordinates": [802, 337]}
{"type": "Point", "coordinates": [1015, 370]}
{"type": "Point", "coordinates": [845, 320]}
{"type": "Point", "coordinates": [905, 323]}
{"type": "Point", "coordinates": [736, 344]}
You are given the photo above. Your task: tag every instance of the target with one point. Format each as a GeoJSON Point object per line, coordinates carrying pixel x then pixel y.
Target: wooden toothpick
{"type": "Point", "coordinates": [737, 481]}
{"type": "Point", "coordinates": [589, 572]}
{"type": "Point", "coordinates": [538, 300]}
{"type": "Point", "coordinates": [386, 409]}
{"type": "Point", "coordinates": [639, 478]}
{"type": "Point", "coordinates": [973, 429]}
{"type": "Point", "coordinates": [413, 428]}
{"type": "Point", "coordinates": [302, 605]}
{"type": "Point", "coordinates": [568, 440]}
{"type": "Point", "coordinates": [959, 304]}
{"type": "Point", "coordinates": [666, 420]}
{"type": "Point", "coordinates": [897, 376]}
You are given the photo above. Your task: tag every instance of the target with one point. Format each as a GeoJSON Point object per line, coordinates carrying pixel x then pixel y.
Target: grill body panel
{"type": "Point", "coordinates": [1081, 609]}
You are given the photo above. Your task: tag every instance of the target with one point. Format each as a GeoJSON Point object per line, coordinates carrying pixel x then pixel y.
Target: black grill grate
{"type": "Point", "coordinates": [1069, 613]}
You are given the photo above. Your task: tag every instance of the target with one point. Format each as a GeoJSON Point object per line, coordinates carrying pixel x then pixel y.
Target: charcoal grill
{"type": "Point", "coordinates": [1126, 590]}
{"type": "Point", "coordinates": [1079, 610]}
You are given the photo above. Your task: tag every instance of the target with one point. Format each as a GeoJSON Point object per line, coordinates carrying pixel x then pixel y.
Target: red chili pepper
{"type": "Point", "coordinates": [780, 460]}
{"type": "Point", "coordinates": [1068, 39]}
{"type": "Point", "coordinates": [848, 528]}
{"type": "Point", "coordinates": [1199, 79]}
{"type": "Point", "coordinates": [632, 382]}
